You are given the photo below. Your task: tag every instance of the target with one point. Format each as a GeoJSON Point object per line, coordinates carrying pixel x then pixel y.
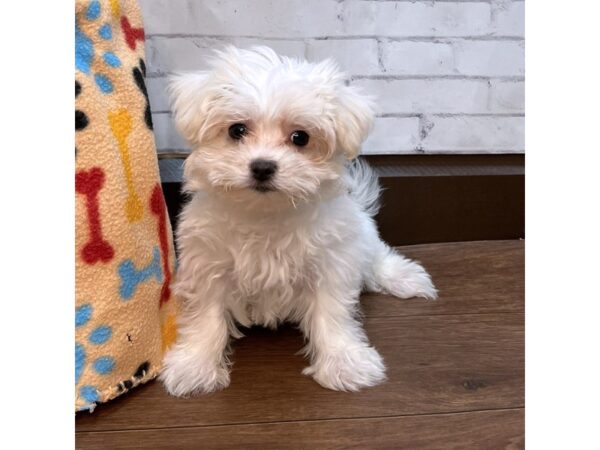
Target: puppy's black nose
{"type": "Point", "coordinates": [262, 169]}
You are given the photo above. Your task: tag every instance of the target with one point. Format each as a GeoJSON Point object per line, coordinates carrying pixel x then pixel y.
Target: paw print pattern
{"type": "Point", "coordinates": [105, 32]}
{"type": "Point", "coordinates": [138, 75]}
{"type": "Point", "coordinates": [93, 11]}
{"type": "Point", "coordinates": [102, 365]}
{"type": "Point", "coordinates": [81, 119]}
{"type": "Point", "coordinates": [85, 52]}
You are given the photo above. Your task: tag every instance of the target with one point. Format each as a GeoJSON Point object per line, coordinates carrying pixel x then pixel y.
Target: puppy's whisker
{"type": "Point", "coordinates": [291, 197]}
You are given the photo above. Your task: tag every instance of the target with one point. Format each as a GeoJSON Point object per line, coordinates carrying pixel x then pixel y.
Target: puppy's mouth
{"type": "Point", "coordinates": [263, 187]}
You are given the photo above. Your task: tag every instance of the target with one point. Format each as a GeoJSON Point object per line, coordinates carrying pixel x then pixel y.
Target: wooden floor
{"type": "Point", "coordinates": [455, 369]}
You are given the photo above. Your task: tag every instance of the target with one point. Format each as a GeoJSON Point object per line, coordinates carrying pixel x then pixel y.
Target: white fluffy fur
{"type": "Point", "coordinates": [301, 252]}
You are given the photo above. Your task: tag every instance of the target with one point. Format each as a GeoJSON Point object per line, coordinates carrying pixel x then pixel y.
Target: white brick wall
{"type": "Point", "coordinates": [448, 75]}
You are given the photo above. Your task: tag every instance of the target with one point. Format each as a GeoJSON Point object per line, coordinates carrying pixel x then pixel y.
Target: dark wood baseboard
{"type": "Point", "coordinates": [427, 198]}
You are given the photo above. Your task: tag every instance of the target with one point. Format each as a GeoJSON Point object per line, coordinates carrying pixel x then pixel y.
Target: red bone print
{"type": "Point", "coordinates": [131, 34]}
{"type": "Point", "coordinates": [89, 184]}
{"type": "Point", "coordinates": [157, 206]}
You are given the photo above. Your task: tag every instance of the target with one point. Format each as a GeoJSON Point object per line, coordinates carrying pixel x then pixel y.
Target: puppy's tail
{"type": "Point", "coordinates": [363, 184]}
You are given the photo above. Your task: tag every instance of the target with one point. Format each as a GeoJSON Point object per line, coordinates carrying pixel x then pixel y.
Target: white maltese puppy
{"type": "Point", "coordinates": [280, 224]}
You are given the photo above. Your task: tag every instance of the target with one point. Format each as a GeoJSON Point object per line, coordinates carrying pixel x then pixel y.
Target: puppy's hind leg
{"type": "Point", "coordinates": [397, 275]}
{"type": "Point", "coordinates": [389, 271]}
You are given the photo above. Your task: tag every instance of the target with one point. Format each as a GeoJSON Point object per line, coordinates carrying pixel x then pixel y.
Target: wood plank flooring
{"type": "Point", "coordinates": [455, 375]}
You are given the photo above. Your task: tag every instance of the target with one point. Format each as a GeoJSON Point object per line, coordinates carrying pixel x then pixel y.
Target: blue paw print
{"type": "Point", "coordinates": [84, 50]}
{"type": "Point", "coordinates": [102, 365]}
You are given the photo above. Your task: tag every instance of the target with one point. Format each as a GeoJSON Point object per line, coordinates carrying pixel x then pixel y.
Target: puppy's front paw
{"type": "Point", "coordinates": [184, 374]}
{"type": "Point", "coordinates": [348, 370]}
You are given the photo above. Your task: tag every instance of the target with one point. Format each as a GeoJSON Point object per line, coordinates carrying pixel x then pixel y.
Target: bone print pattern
{"type": "Point", "coordinates": [121, 126]}
{"type": "Point", "coordinates": [125, 316]}
{"type": "Point", "coordinates": [157, 206]}
{"type": "Point", "coordinates": [131, 277]}
{"type": "Point", "coordinates": [89, 183]}
{"type": "Point", "coordinates": [132, 35]}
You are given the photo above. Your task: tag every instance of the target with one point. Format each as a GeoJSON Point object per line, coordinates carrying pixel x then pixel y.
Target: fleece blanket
{"type": "Point", "coordinates": [124, 313]}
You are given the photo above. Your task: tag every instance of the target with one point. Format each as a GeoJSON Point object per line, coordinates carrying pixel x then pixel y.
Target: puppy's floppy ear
{"type": "Point", "coordinates": [189, 97]}
{"type": "Point", "coordinates": [354, 119]}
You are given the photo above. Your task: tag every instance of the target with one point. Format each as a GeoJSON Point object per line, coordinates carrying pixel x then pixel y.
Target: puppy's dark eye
{"type": "Point", "coordinates": [299, 138]}
{"type": "Point", "coordinates": [238, 131]}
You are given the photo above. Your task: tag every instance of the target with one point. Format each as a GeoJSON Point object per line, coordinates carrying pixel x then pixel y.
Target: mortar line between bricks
{"type": "Point", "coordinates": [438, 77]}
{"type": "Point", "coordinates": [386, 76]}
{"type": "Point", "coordinates": [380, 56]}
{"type": "Point", "coordinates": [486, 37]}
{"type": "Point", "coordinates": [181, 153]}
{"type": "Point", "coordinates": [425, 151]}
{"type": "Point", "coordinates": [435, 1]}
{"type": "Point", "coordinates": [415, 114]}
{"type": "Point", "coordinates": [443, 115]}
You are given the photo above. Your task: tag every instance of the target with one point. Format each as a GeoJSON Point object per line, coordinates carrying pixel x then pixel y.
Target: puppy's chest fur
{"type": "Point", "coordinates": [268, 265]}
{"type": "Point", "coordinates": [269, 271]}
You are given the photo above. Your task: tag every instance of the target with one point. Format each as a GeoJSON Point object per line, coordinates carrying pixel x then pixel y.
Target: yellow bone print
{"type": "Point", "coordinates": [121, 126]}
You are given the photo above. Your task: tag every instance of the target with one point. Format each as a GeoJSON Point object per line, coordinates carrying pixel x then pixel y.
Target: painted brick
{"type": "Point", "coordinates": [473, 134]}
{"type": "Point", "coordinates": [387, 18]}
{"type": "Point", "coordinates": [390, 135]}
{"type": "Point", "coordinates": [355, 56]}
{"type": "Point", "coordinates": [265, 18]}
{"type": "Point", "coordinates": [428, 96]}
{"type": "Point", "coordinates": [157, 92]}
{"type": "Point", "coordinates": [393, 135]}
{"type": "Point", "coordinates": [490, 58]}
{"type": "Point", "coordinates": [418, 58]}
{"type": "Point", "coordinates": [166, 136]}
{"type": "Point", "coordinates": [427, 74]}
{"type": "Point", "coordinates": [509, 19]}
{"type": "Point", "coordinates": [169, 54]}
{"type": "Point", "coordinates": [507, 96]}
